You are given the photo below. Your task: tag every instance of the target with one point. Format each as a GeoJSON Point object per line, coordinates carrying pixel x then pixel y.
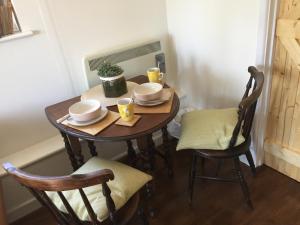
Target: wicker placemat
{"type": "Point", "coordinates": [129, 123]}
{"type": "Point", "coordinates": [163, 108]}
{"type": "Point", "coordinates": [96, 128]}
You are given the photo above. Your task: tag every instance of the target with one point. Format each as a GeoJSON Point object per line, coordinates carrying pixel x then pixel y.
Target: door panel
{"type": "Point", "coordinates": [282, 143]}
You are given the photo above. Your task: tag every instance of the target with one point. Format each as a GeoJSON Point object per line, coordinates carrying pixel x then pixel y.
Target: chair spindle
{"type": "Point", "coordinates": [70, 210]}
{"type": "Point", "coordinates": [89, 208]}
{"type": "Point", "coordinates": [109, 203]}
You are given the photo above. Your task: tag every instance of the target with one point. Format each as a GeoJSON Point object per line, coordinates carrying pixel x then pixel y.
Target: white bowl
{"type": "Point", "coordinates": [85, 110]}
{"type": "Point", "coordinates": [148, 91]}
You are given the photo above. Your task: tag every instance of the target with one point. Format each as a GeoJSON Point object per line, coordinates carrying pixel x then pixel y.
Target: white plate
{"type": "Point", "coordinates": [73, 122]}
{"type": "Point", "coordinates": [151, 103]}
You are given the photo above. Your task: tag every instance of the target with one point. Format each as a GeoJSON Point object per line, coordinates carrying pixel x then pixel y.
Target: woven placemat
{"type": "Point", "coordinates": [129, 123]}
{"type": "Point", "coordinates": [96, 128]}
{"type": "Point", "coordinates": [163, 108]}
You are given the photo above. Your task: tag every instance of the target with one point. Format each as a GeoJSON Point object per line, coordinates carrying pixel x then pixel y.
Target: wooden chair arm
{"type": "Point", "coordinates": [59, 183]}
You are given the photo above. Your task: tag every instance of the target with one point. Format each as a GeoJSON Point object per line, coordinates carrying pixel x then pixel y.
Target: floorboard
{"type": "Point", "coordinates": [276, 199]}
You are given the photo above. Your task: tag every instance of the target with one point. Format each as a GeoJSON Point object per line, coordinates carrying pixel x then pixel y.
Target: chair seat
{"type": "Point", "coordinates": [126, 183]}
{"type": "Point", "coordinates": [208, 129]}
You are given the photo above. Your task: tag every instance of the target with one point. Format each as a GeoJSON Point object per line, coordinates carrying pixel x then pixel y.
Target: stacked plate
{"type": "Point", "coordinates": [86, 113]}
{"type": "Point", "coordinates": [151, 94]}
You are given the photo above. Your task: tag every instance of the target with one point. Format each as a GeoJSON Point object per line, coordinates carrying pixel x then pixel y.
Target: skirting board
{"type": "Point", "coordinates": [23, 209]}
{"type": "Point", "coordinates": [283, 160]}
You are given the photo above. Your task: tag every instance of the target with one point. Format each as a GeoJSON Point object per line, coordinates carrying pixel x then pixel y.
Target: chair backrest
{"type": "Point", "coordinates": [38, 185]}
{"type": "Point", "coordinates": [248, 105]}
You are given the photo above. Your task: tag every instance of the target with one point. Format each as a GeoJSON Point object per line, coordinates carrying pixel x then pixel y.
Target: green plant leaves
{"type": "Point", "coordinates": [106, 69]}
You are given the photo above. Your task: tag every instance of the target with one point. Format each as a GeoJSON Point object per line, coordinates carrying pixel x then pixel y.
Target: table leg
{"type": "Point", "coordinates": [70, 152]}
{"type": "Point", "coordinates": [3, 218]}
{"type": "Point", "coordinates": [151, 151]}
{"type": "Point", "coordinates": [76, 149]}
{"type": "Point", "coordinates": [167, 148]}
{"type": "Point", "coordinates": [131, 154]}
{"type": "Point", "coordinates": [147, 149]}
{"type": "Point", "coordinates": [92, 148]}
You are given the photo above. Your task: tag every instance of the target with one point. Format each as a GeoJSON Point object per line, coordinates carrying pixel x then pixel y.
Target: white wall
{"type": "Point", "coordinates": [31, 79]}
{"type": "Point", "coordinates": [213, 42]}
{"type": "Point", "coordinates": [46, 68]}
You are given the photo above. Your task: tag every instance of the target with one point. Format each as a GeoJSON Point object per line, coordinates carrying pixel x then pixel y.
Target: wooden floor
{"type": "Point", "coordinates": [276, 199]}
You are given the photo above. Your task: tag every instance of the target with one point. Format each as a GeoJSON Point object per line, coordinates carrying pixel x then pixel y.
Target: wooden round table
{"type": "Point", "coordinates": [142, 132]}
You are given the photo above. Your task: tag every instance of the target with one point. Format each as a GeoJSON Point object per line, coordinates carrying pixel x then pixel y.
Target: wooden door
{"type": "Point", "coordinates": [6, 18]}
{"type": "Point", "coordinates": [282, 143]}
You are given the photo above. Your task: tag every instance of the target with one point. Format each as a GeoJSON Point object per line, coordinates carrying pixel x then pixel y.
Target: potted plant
{"type": "Point", "coordinates": [113, 80]}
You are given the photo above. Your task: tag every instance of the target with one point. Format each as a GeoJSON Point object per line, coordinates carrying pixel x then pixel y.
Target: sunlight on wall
{"type": "Point", "coordinates": [215, 42]}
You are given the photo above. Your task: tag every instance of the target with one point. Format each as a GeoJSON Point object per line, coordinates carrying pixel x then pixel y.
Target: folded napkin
{"type": "Point", "coordinates": [97, 127]}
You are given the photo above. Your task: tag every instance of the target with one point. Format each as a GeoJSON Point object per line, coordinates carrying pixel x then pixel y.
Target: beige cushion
{"type": "Point", "coordinates": [126, 183]}
{"type": "Point", "coordinates": [208, 129]}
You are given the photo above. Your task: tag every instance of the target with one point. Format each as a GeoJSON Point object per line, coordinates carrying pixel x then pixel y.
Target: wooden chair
{"type": "Point", "coordinates": [239, 138]}
{"type": "Point", "coordinates": [87, 187]}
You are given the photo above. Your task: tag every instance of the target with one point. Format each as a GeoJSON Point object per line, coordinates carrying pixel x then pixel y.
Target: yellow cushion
{"type": "Point", "coordinates": [208, 129]}
{"type": "Point", "coordinates": [126, 183]}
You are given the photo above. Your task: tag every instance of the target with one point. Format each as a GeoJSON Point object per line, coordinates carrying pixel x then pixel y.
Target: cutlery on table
{"type": "Point", "coordinates": [62, 119]}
